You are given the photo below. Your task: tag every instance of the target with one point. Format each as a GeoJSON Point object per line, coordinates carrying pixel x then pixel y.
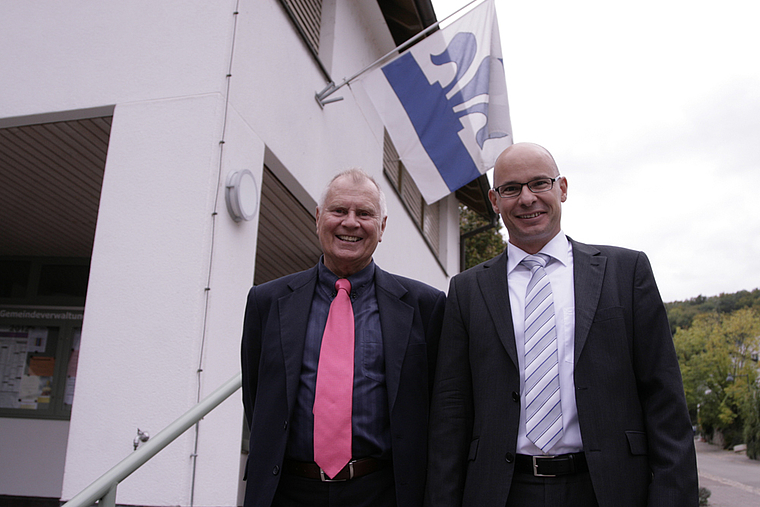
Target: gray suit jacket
{"type": "Point", "coordinates": [274, 331]}
{"type": "Point", "coordinates": [636, 430]}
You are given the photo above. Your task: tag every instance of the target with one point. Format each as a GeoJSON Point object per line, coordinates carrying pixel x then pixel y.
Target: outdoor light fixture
{"type": "Point", "coordinates": [242, 195]}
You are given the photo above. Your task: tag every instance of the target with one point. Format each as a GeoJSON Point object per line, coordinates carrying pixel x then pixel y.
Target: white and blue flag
{"type": "Point", "coordinates": [444, 103]}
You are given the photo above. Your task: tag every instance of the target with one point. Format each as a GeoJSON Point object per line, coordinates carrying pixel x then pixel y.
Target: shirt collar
{"type": "Point", "coordinates": [359, 281]}
{"type": "Point", "coordinates": [557, 248]}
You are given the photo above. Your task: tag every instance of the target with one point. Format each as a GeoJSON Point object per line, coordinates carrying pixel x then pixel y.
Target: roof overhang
{"type": "Point", "coordinates": [407, 18]}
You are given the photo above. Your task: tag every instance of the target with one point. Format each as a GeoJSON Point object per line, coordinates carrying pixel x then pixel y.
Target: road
{"type": "Point", "coordinates": [732, 478]}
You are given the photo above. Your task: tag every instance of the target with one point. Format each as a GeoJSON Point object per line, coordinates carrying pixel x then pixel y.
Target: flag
{"type": "Point", "coordinates": [444, 103]}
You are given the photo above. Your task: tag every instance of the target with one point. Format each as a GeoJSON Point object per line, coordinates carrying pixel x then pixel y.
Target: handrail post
{"type": "Point", "coordinates": [109, 499]}
{"type": "Point", "coordinates": [106, 484]}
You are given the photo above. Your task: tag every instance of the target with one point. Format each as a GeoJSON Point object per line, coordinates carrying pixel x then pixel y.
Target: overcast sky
{"type": "Point", "coordinates": [652, 111]}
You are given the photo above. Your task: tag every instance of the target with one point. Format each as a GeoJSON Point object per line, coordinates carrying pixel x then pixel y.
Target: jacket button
{"type": "Point", "coordinates": [285, 426]}
{"type": "Point", "coordinates": [276, 470]}
{"type": "Point", "coordinates": [509, 457]}
{"type": "Point", "coordinates": [515, 396]}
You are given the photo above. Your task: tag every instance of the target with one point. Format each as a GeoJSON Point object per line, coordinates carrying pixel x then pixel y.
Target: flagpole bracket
{"type": "Point", "coordinates": [321, 97]}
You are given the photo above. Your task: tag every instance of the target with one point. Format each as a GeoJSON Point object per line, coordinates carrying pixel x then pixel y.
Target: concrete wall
{"type": "Point", "coordinates": [32, 453]}
{"type": "Point", "coordinates": [84, 53]}
{"type": "Point", "coordinates": [145, 328]}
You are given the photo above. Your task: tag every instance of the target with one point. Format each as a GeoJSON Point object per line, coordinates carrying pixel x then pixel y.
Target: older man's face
{"type": "Point", "coordinates": [350, 225]}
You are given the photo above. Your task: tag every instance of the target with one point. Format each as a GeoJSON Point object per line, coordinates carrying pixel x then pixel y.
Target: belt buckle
{"type": "Point", "coordinates": [324, 478]}
{"type": "Point", "coordinates": [536, 459]}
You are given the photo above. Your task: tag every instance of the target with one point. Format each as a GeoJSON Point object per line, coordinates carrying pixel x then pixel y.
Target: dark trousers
{"type": "Point", "coordinates": [372, 490]}
{"type": "Point", "coordinates": [564, 491]}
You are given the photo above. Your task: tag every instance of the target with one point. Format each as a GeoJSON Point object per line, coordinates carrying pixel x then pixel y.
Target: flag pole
{"type": "Point", "coordinates": [321, 97]}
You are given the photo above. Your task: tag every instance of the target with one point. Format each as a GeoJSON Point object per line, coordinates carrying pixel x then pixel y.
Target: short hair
{"type": "Point", "coordinates": [357, 176]}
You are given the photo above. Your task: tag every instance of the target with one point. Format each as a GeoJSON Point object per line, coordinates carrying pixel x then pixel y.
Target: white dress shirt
{"type": "Point", "coordinates": [559, 269]}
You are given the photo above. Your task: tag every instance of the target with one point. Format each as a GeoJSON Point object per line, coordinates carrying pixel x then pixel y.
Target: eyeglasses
{"type": "Point", "coordinates": [510, 190]}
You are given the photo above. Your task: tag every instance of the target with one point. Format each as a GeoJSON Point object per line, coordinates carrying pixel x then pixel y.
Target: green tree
{"type": "Point", "coordinates": [481, 246]}
{"type": "Point", "coordinates": [681, 313]}
{"type": "Point", "coordinates": [717, 369]}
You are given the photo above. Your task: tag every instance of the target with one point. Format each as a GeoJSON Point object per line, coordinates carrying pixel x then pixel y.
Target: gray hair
{"type": "Point", "coordinates": [358, 176]}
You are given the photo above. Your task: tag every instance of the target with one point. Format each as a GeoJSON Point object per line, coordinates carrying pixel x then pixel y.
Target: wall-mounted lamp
{"type": "Point", "coordinates": [242, 195]}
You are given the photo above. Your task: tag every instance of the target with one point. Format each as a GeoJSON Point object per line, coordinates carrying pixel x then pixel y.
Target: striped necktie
{"type": "Point", "coordinates": [543, 412]}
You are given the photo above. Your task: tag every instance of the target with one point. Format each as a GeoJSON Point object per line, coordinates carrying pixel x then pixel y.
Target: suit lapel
{"type": "Point", "coordinates": [588, 275]}
{"type": "Point", "coordinates": [396, 319]}
{"type": "Point", "coordinates": [492, 280]}
{"type": "Point", "coordinates": [294, 313]}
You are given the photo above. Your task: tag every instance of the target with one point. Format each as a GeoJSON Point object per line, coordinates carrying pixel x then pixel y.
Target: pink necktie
{"type": "Point", "coordinates": [335, 383]}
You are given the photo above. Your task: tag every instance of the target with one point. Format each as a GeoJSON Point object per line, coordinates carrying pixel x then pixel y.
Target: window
{"type": "Point", "coordinates": [313, 19]}
{"type": "Point", "coordinates": [41, 312]}
{"type": "Point", "coordinates": [287, 241]}
{"type": "Point", "coordinates": [39, 348]}
{"type": "Point", "coordinates": [426, 217]}
{"type": "Point", "coordinates": [307, 15]}
{"type": "Point", "coordinates": [44, 281]}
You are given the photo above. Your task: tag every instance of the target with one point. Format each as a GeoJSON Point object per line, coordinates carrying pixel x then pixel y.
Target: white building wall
{"type": "Point", "coordinates": [30, 449]}
{"type": "Point", "coordinates": [219, 445]}
{"type": "Point", "coordinates": [164, 65]}
{"type": "Point", "coordinates": [61, 56]}
{"type": "Point", "coordinates": [144, 324]}
{"type": "Point", "coordinates": [168, 277]}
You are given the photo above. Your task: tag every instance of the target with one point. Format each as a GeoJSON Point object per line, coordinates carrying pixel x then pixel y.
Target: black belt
{"type": "Point", "coordinates": [551, 466]}
{"type": "Point", "coordinates": [354, 468]}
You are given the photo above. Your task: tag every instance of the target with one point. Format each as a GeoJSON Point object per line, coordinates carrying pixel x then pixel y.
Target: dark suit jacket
{"type": "Point", "coordinates": [272, 351]}
{"type": "Point", "coordinates": [636, 431]}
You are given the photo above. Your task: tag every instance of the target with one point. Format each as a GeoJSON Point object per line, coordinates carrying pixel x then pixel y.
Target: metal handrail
{"type": "Point", "coordinates": [103, 490]}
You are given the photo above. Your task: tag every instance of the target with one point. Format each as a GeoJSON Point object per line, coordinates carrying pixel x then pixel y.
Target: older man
{"type": "Point", "coordinates": [338, 363]}
{"type": "Point", "coordinates": [557, 382]}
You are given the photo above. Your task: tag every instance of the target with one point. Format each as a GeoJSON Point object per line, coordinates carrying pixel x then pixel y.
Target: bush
{"type": "Point", "coordinates": [704, 494]}
{"type": "Point", "coordinates": [752, 428]}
